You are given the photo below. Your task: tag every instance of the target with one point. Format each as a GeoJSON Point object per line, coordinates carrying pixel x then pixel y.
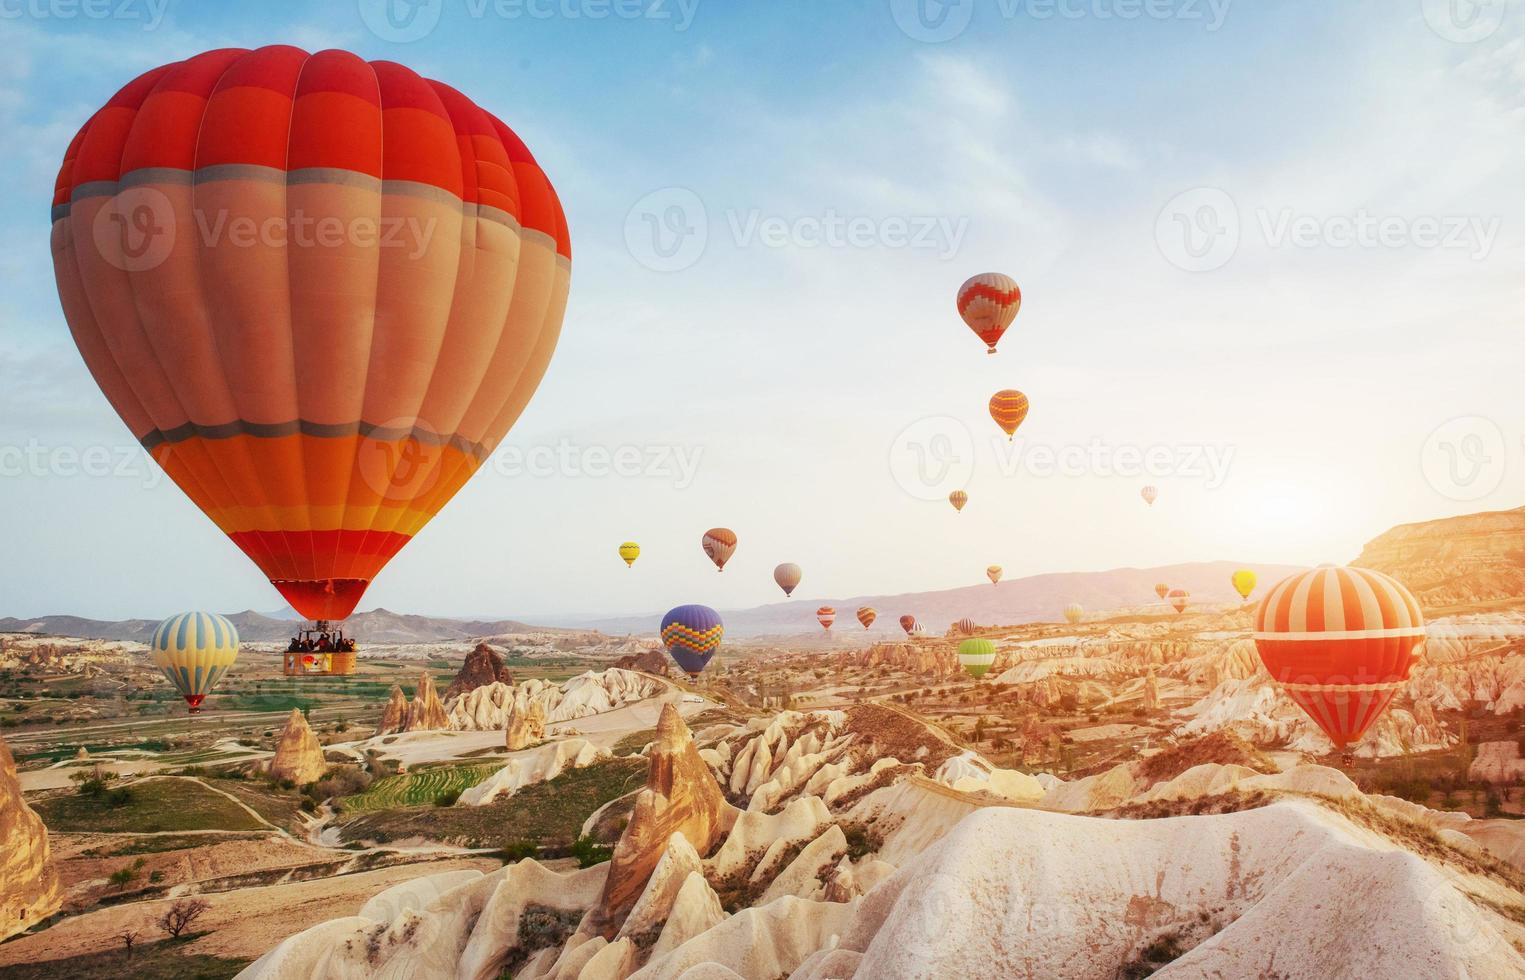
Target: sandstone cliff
{"type": "Point", "coordinates": [298, 755]}
{"type": "Point", "coordinates": [29, 890]}
{"type": "Point", "coordinates": [1454, 561]}
{"type": "Point", "coordinates": [482, 666]}
{"type": "Point", "coordinates": [394, 717]}
{"type": "Point", "coordinates": [426, 713]}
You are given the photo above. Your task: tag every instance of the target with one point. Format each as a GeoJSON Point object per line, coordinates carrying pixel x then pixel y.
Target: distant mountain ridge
{"type": "Point", "coordinates": [375, 626]}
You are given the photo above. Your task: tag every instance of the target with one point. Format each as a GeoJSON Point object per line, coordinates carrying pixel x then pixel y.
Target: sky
{"type": "Point", "coordinates": [1271, 258]}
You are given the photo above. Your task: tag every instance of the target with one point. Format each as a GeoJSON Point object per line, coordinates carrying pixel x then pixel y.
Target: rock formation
{"type": "Point", "coordinates": [1456, 560]}
{"type": "Point", "coordinates": [647, 662]}
{"type": "Point", "coordinates": [29, 890]}
{"type": "Point", "coordinates": [394, 717]}
{"type": "Point", "coordinates": [1151, 693]}
{"type": "Point", "coordinates": [426, 713]}
{"type": "Point", "coordinates": [680, 797]}
{"type": "Point", "coordinates": [547, 762]}
{"type": "Point", "coordinates": [298, 755]}
{"type": "Point", "coordinates": [525, 726]}
{"type": "Point", "coordinates": [483, 666]}
{"type": "Point", "coordinates": [487, 708]}
{"type": "Point", "coordinates": [1497, 762]}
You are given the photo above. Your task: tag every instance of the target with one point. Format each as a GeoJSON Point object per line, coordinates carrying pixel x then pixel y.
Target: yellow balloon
{"type": "Point", "coordinates": [1244, 582]}
{"type": "Point", "coordinates": [630, 551]}
{"type": "Point", "coordinates": [194, 650]}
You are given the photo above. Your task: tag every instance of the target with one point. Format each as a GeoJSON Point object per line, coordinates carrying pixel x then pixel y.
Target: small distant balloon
{"type": "Point", "coordinates": [1074, 612]}
{"type": "Point", "coordinates": [1244, 582]}
{"type": "Point", "coordinates": [867, 615]}
{"type": "Point", "coordinates": [994, 574]}
{"type": "Point", "coordinates": [630, 551]}
{"type": "Point", "coordinates": [1150, 494]}
{"type": "Point", "coordinates": [966, 626]}
{"type": "Point", "coordinates": [1009, 408]}
{"type": "Point", "coordinates": [908, 623]}
{"type": "Point", "coordinates": [1161, 589]}
{"type": "Point", "coordinates": [988, 303]}
{"type": "Point", "coordinates": [958, 499]}
{"type": "Point", "coordinates": [719, 544]}
{"type": "Point", "coordinates": [976, 655]}
{"type": "Point", "coordinates": [787, 576]}
{"type": "Point", "coordinates": [1180, 599]}
{"type": "Point", "coordinates": [692, 634]}
{"type": "Point", "coordinates": [194, 650]}
{"type": "Point", "coordinates": [826, 615]}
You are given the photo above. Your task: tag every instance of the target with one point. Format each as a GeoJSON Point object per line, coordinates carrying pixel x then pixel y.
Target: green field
{"type": "Point", "coordinates": [163, 960]}
{"type": "Point", "coordinates": [419, 788]}
{"type": "Point", "coordinates": [154, 805]}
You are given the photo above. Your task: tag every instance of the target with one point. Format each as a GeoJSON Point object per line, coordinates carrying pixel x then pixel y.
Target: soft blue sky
{"type": "Point", "coordinates": [1050, 147]}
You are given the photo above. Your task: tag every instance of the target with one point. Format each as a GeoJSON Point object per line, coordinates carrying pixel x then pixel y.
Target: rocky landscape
{"type": "Point", "coordinates": [29, 888]}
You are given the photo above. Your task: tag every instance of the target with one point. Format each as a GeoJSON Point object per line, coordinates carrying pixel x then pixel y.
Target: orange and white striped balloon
{"type": "Point", "coordinates": [1340, 642]}
{"type": "Point", "coordinates": [867, 615]}
{"type": "Point", "coordinates": [988, 303]}
{"type": "Point", "coordinates": [719, 544]}
{"type": "Point", "coordinates": [958, 499]}
{"type": "Point", "coordinates": [826, 615]}
{"type": "Point", "coordinates": [1009, 408]}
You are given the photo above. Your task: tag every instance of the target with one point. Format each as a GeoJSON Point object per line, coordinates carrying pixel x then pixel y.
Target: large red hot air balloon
{"type": "Point", "coordinates": [988, 303]}
{"type": "Point", "coordinates": [1340, 642]}
{"type": "Point", "coordinates": [318, 290]}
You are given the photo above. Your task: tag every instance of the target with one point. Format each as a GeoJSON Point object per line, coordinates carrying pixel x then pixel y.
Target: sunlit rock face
{"type": "Point", "coordinates": [482, 666]}
{"type": "Point", "coordinates": [427, 712]}
{"type": "Point", "coordinates": [394, 717]}
{"type": "Point", "coordinates": [29, 890]}
{"type": "Point", "coordinates": [298, 754]}
{"type": "Point", "coordinates": [1455, 561]}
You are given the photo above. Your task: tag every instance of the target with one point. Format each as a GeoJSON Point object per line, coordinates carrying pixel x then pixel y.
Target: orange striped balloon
{"type": "Point", "coordinates": [318, 290]}
{"type": "Point", "coordinates": [1008, 407]}
{"type": "Point", "coordinates": [1341, 643]}
{"type": "Point", "coordinates": [867, 615]}
{"type": "Point", "coordinates": [719, 544]}
{"type": "Point", "coordinates": [958, 499]}
{"type": "Point", "coordinates": [994, 574]}
{"type": "Point", "coordinates": [826, 615]}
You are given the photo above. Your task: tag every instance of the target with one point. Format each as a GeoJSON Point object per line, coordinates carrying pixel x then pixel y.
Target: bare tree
{"type": "Point", "coordinates": [181, 915]}
{"type": "Point", "coordinates": [129, 936]}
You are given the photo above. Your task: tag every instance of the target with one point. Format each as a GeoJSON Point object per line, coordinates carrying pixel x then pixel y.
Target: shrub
{"type": "Point", "coordinates": [589, 852]}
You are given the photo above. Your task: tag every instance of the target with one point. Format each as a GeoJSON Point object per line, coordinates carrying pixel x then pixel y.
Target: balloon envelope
{"type": "Point", "coordinates": [908, 623]}
{"type": "Point", "coordinates": [194, 650]}
{"type": "Point", "coordinates": [1244, 582]}
{"type": "Point", "coordinates": [1179, 598]}
{"type": "Point", "coordinates": [958, 499]}
{"type": "Point", "coordinates": [630, 551]}
{"type": "Point", "coordinates": [719, 544]}
{"type": "Point", "coordinates": [318, 290]}
{"type": "Point", "coordinates": [988, 303]}
{"type": "Point", "coordinates": [965, 626]}
{"type": "Point", "coordinates": [1074, 612]}
{"type": "Point", "coordinates": [787, 576]}
{"type": "Point", "coordinates": [826, 615]}
{"type": "Point", "coordinates": [976, 655]}
{"type": "Point", "coordinates": [1161, 589]}
{"type": "Point", "coordinates": [867, 615]}
{"type": "Point", "coordinates": [994, 574]}
{"type": "Point", "coordinates": [1340, 642]}
{"type": "Point", "coordinates": [692, 634]}
{"type": "Point", "coordinates": [1150, 494]}
{"type": "Point", "coordinates": [1009, 408]}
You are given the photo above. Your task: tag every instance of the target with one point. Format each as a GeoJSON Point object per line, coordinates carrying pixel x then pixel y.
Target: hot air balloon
{"type": "Point", "coordinates": [976, 655]}
{"type": "Point", "coordinates": [988, 303]}
{"type": "Point", "coordinates": [994, 574]}
{"type": "Point", "coordinates": [966, 626]}
{"type": "Point", "coordinates": [318, 290]}
{"type": "Point", "coordinates": [1244, 582]}
{"type": "Point", "coordinates": [1179, 598]}
{"type": "Point", "coordinates": [630, 551]}
{"type": "Point", "coordinates": [908, 623]}
{"type": "Point", "coordinates": [787, 576]}
{"type": "Point", "coordinates": [867, 615]}
{"type": "Point", "coordinates": [194, 650]}
{"type": "Point", "coordinates": [1149, 493]}
{"type": "Point", "coordinates": [958, 499]}
{"type": "Point", "coordinates": [719, 543]}
{"type": "Point", "coordinates": [1161, 589]}
{"type": "Point", "coordinates": [1008, 407]}
{"type": "Point", "coordinates": [692, 634]}
{"type": "Point", "coordinates": [1341, 643]}
{"type": "Point", "coordinates": [826, 616]}
{"type": "Point", "coordinates": [1074, 612]}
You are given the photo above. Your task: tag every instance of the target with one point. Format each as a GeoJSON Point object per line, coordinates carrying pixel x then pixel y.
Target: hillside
{"type": "Point", "coordinates": [1455, 561]}
{"type": "Point", "coordinates": [375, 626]}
